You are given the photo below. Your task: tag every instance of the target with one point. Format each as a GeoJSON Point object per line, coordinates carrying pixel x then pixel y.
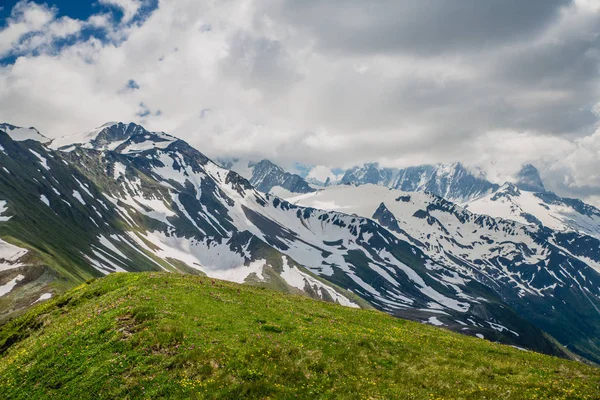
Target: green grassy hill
{"type": "Point", "coordinates": [155, 335]}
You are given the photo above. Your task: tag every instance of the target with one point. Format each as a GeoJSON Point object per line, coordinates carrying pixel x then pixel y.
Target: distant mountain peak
{"type": "Point", "coordinates": [528, 179]}
{"type": "Point", "coordinates": [453, 167]}
{"type": "Point", "coordinates": [452, 181]}
{"type": "Point", "coordinates": [268, 164]}
{"type": "Point", "coordinates": [106, 125]}
{"type": "Point", "coordinates": [267, 175]}
{"type": "Point", "coordinates": [507, 190]}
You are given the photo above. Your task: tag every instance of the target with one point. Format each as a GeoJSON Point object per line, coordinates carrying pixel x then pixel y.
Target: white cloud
{"type": "Point", "coordinates": [34, 15]}
{"type": "Point", "coordinates": [34, 27]}
{"type": "Point", "coordinates": [26, 17]}
{"type": "Point", "coordinates": [129, 7]}
{"type": "Point", "coordinates": [64, 27]}
{"type": "Point", "coordinates": [258, 79]}
{"type": "Point", "coordinates": [321, 173]}
{"type": "Point", "coordinates": [99, 20]}
{"type": "Point", "coordinates": [588, 5]}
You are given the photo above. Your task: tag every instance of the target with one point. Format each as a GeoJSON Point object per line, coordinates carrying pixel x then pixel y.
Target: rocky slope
{"type": "Point", "coordinates": [545, 272]}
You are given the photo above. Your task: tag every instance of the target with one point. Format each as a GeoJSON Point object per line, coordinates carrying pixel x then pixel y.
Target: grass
{"type": "Point", "coordinates": [158, 335]}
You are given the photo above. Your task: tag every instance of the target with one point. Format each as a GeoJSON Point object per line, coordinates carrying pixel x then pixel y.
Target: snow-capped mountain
{"type": "Point", "coordinates": [528, 178]}
{"type": "Point", "coordinates": [119, 137]}
{"type": "Point", "coordinates": [523, 200]}
{"type": "Point", "coordinates": [539, 208]}
{"type": "Point", "coordinates": [542, 273]}
{"type": "Point", "coordinates": [267, 176]}
{"type": "Point", "coordinates": [131, 200]}
{"type": "Point", "coordinates": [453, 182]}
{"type": "Point", "coordinates": [121, 198]}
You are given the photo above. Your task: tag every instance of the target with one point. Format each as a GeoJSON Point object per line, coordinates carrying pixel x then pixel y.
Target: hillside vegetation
{"type": "Point", "coordinates": [159, 335]}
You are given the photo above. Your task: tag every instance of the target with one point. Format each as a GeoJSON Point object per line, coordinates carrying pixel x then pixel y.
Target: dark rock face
{"type": "Point", "coordinates": [117, 132]}
{"type": "Point", "coordinates": [528, 179]}
{"type": "Point", "coordinates": [266, 175]}
{"type": "Point", "coordinates": [537, 271]}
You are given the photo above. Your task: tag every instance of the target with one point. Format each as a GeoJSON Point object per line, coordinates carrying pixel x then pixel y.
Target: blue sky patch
{"type": "Point", "coordinates": [79, 10]}
{"type": "Point", "coordinates": [132, 85]}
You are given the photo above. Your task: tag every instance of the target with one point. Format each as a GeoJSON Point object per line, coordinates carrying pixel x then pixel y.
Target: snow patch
{"type": "Point", "coordinates": [44, 297]}
{"type": "Point", "coordinates": [6, 288]}
{"type": "Point", "coordinates": [43, 161]}
{"type": "Point", "coordinates": [10, 255]}
{"type": "Point", "coordinates": [3, 209]}
{"type": "Point", "coordinates": [118, 170]}
{"type": "Point", "coordinates": [77, 195]}
{"type": "Point", "coordinates": [240, 273]}
{"type": "Point", "coordinates": [108, 244]}
{"type": "Point", "coordinates": [298, 279]}
{"type": "Point", "coordinates": [45, 200]}
{"type": "Point", "coordinates": [435, 321]}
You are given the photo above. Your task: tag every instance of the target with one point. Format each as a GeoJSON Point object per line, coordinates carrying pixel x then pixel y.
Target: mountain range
{"type": "Point", "coordinates": [437, 244]}
{"type": "Point", "coordinates": [454, 182]}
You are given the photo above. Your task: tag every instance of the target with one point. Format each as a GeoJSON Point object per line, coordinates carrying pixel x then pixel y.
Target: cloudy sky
{"type": "Point", "coordinates": [491, 83]}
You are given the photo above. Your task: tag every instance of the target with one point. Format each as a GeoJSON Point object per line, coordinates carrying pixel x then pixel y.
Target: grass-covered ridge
{"type": "Point", "coordinates": [158, 335]}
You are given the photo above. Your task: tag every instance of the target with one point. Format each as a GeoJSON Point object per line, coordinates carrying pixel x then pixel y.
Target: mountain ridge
{"type": "Point", "coordinates": [453, 182]}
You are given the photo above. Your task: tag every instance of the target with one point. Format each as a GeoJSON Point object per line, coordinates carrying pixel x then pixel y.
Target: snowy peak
{"type": "Point", "coordinates": [528, 178]}
{"type": "Point", "coordinates": [116, 136]}
{"type": "Point", "coordinates": [20, 134]}
{"type": "Point", "coordinates": [100, 138]}
{"type": "Point", "coordinates": [267, 176]}
{"type": "Point", "coordinates": [451, 181]}
{"type": "Point", "coordinates": [508, 191]}
{"type": "Point", "coordinates": [456, 183]}
{"type": "Point", "coordinates": [115, 133]}
{"type": "Point", "coordinates": [266, 165]}
{"type": "Point", "coordinates": [368, 173]}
